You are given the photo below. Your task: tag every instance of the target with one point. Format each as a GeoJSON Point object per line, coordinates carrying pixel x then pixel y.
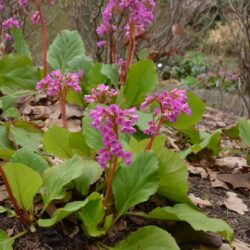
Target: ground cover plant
{"type": "Point", "coordinates": [117, 161]}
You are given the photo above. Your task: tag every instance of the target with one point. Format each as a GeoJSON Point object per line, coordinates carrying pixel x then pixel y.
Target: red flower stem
{"type": "Point", "coordinates": [45, 63]}
{"type": "Point", "coordinates": [109, 181]}
{"type": "Point", "coordinates": [131, 51]}
{"type": "Point", "coordinates": [22, 215]}
{"type": "Point", "coordinates": [62, 101]}
{"type": "Point", "coordinates": [150, 143]}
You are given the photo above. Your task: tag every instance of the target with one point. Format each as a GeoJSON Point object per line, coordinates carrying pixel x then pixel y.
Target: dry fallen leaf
{"type": "Point", "coordinates": [215, 182]}
{"type": "Point", "coordinates": [232, 163]}
{"type": "Point", "coordinates": [236, 180]}
{"type": "Point", "coordinates": [197, 171]}
{"type": "Point", "coordinates": [198, 201]}
{"type": "Point", "coordinates": [239, 245]}
{"type": "Point", "coordinates": [234, 203]}
{"type": "Point", "coordinates": [3, 193]}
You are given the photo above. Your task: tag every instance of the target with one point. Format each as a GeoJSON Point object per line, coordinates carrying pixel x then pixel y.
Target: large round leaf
{"type": "Point", "coordinates": [135, 183]}
{"type": "Point", "coordinates": [198, 220]}
{"type": "Point", "coordinates": [65, 50]}
{"type": "Point", "coordinates": [148, 238]}
{"type": "Point", "coordinates": [24, 183]}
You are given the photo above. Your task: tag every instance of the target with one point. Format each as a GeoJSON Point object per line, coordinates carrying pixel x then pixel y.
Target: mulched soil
{"type": "Point", "coordinates": [67, 236]}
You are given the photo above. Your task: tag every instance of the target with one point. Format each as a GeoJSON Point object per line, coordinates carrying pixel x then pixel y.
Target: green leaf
{"type": "Point", "coordinates": [4, 139]}
{"type": "Point", "coordinates": [197, 220]}
{"type": "Point", "coordinates": [24, 183]}
{"type": "Point", "coordinates": [2, 210]}
{"type": "Point", "coordinates": [136, 183]}
{"type": "Point", "coordinates": [26, 137]}
{"type": "Point", "coordinates": [56, 141]}
{"type": "Point", "coordinates": [232, 132]}
{"type": "Point", "coordinates": [20, 44]}
{"type": "Point", "coordinates": [6, 154]}
{"type": "Point", "coordinates": [111, 72]}
{"type": "Point", "coordinates": [173, 173]}
{"type": "Point", "coordinates": [142, 79]}
{"type": "Point", "coordinates": [12, 96]}
{"type": "Point", "coordinates": [92, 215]}
{"type": "Point", "coordinates": [16, 71]}
{"type": "Point", "coordinates": [57, 177]}
{"type": "Point", "coordinates": [65, 50]}
{"type": "Point", "coordinates": [95, 76]}
{"type": "Point", "coordinates": [197, 106]}
{"type": "Point", "coordinates": [62, 213]}
{"type": "Point", "coordinates": [30, 159]}
{"type": "Point", "coordinates": [5, 242]}
{"type": "Point", "coordinates": [83, 63]}
{"type": "Point", "coordinates": [78, 144]}
{"type": "Point", "coordinates": [148, 238]}
{"type": "Point", "coordinates": [91, 173]}
{"type": "Point", "coordinates": [244, 127]}
{"type": "Point", "coordinates": [92, 136]}
{"type": "Point", "coordinates": [192, 133]}
{"type": "Point", "coordinates": [209, 141]}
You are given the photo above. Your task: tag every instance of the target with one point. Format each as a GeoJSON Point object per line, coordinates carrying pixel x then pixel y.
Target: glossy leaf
{"type": "Point", "coordinates": [92, 215]}
{"type": "Point", "coordinates": [65, 50]}
{"type": "Point", "coordinates": [30, 159]}
{"type": "Point", "coordinates": [92, 136]}
{"type": "Point", "coordinates": [24, 183]}
{"type": "Point", "coordinates": [16, 71]}
{"type": "Point", "coordinates": [197, 220]}
{"type": "Point", "coordinates": [172, 171]}
{"type": "Point", "coordinates": [209, 141]}
{"type": "Point", "coordinates": [62, 213]}
{"type": "Point", "coordinates": [56, 141]}
{"type": "Point", "coordinates": [4, 139]}
{"type": "Point", "coordinates": [148, 238]}
{"type": "Point", "coordinates": [136, 183]}
{"type": "Point", "coordinates": [25, 135]}
{"type": "Point", "coordinates": [142, 79]}
{"type": "Point", "coordinates": [91, 173]}
{"type": "Point", "coordinates": [5, 241]}
{"type": "Point", "coordinates": [57, 177]}
{"type": "Point", "coordinates": [244, 127]}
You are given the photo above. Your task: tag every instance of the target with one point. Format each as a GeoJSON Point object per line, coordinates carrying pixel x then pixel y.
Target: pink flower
{"type": "Point", "coordinates": [110, 121]}
{"type": "Point", "coordinates": [171, 104]}
{"type": "Point", "coordinates": [35, 18]}
{"type": "Point", "coordinates": [1, 5]}
{"type": "Point", "coordinates": [101, 44]}
{"type": "Point", "coordinates": [10, 23]}
{"type": "Point", "coordinates": [102, 94]}
{"type": "Point", "coordinates": [55, 81]}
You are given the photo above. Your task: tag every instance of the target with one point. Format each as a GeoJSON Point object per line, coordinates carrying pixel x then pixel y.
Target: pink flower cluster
{"type": "Point", "coordinates": [102, 94]}
{"type": "Point", "coordinates": [35, 18]}
{"type": "Point", "coordinates": [110, 121]}
{"type": "Point", "coordinates": [171, 105]}
{"type": "Point", "coordinates": [9, 23]}
{"type": "Point", "coordinates": [55, 81]}
{"type": "Point", "coordinates": [140, 16]}
{"type": "Point", "coordinates": [221, 74]}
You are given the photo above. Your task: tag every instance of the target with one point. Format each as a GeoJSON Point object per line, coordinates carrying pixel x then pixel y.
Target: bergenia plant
{"type": "Point", "coordinates": [111, 121]}
{"type": "Point", "coordinates": [36, 19]}
{"type": "Point", "coordinates": [137, 15]}
{"type": "Point", "coordinates": [58, 84]}
{"type": "Point", "coordinates": [170, 106]}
